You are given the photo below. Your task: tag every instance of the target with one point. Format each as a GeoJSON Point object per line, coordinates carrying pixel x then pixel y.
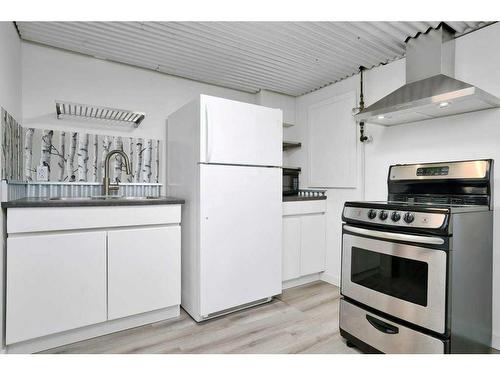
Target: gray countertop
{"type": "Point", "coordinates": [298, 198]}
{"type": "Point", "coordinates": [84, 202]}
{"type": "Point", "coordinates": [75, 202]}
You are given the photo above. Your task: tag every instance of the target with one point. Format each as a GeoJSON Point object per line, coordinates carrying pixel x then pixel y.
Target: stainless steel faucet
{"type": "Point", "coordinates": [111, 186]}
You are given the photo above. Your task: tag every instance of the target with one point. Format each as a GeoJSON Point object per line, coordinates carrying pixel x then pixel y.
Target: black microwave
{"type": "Point", "coordinates": [291, 181]}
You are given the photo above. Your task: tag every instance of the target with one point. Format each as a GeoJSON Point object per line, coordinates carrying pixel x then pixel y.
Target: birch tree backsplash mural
{"type": "Point", "coordinates": [79, 157]}
{"type": "Point", "coordinates": [12, 152]}
{"type": "Point", "coordinates": [74, 156]}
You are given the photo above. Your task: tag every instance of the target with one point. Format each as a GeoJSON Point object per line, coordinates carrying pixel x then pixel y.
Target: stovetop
{"type": "Point", "coordinates": [424, 197]}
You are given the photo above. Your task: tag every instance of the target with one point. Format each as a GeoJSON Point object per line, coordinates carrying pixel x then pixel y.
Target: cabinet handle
{"type": "Point", "coordinates": [395, 236]}
{"type": "Point", "coordinates": [382, 326]}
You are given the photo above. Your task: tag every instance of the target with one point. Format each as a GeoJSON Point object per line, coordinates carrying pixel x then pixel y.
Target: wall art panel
{"type": "Point", "coordinates": [79, 157]}
{"type": "Point", "coordinates": [71, 156]}
{"type": "Point", "coordinates": [12, 148]}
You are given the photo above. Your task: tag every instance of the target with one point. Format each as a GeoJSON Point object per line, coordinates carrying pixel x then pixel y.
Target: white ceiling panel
{"type": "Point", "coordinates": [287, 57]}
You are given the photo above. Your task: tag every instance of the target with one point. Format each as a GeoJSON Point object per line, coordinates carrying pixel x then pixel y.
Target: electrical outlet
{"type": "Point", "coordinates": [42, 173]}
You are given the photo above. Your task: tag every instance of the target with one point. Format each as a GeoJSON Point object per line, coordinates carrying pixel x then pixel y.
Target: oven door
{"type": "Point", "coordinates": [402, 280]}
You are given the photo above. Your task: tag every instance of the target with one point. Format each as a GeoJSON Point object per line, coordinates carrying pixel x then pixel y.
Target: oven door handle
{"type": "Point", "coordinates": [382, 326]}
{"type": "Point", "coordinates": [396, 236]}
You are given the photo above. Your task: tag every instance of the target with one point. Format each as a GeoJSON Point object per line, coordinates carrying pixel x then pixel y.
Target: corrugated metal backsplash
{"type": "Point", "coordinates": [17, 190]}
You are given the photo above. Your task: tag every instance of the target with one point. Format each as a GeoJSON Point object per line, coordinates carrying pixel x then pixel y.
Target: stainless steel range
{"type": "Point", "coordinates": [417, 269]}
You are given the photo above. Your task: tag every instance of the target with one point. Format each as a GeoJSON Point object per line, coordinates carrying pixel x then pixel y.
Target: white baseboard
{"type": "Point", "coordinates": [495, 341]}
{"type": "Point", "coordinates": [331, 279]}
{"type": "Point", "coordinates": [301, 280]}
{"type": "Point", "coordinates": [100, 329]}
{"type": "Point", "coordinates": [326, 277]}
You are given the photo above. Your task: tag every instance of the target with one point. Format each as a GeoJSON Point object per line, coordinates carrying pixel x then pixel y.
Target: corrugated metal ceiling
{"type": "Point", "coordinates": [287, 57]}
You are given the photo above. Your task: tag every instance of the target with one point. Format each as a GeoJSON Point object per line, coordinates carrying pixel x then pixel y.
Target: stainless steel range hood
{"type": "Point", "coordinates": [430, 90]}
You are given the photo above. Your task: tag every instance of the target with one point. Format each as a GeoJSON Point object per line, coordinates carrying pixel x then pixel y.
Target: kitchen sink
{"type": "Point", "coordinates": [140, 198]}
{"type": "Point", "coordinates": [70, 199]}
{"type": "Point", "coordinates": [101, 197]}
{"type": "Point", "coordinates": [120, 197]}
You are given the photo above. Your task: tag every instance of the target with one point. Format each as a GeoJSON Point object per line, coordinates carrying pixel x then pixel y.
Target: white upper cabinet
{"type": "Point", "coordinates": [239, 133]}
{"type": "Point", "coordinates": [332, 142]}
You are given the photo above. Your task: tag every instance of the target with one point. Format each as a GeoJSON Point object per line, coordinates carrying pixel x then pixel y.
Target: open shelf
{"type": "Point", "coordinates": [290, 145]}
{"type": "Point", "coordinates": [95, 112]}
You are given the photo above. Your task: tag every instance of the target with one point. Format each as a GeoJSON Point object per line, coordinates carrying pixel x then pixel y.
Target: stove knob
{"type": "Point", "coordinates": [372, 214]}
{"type": "Point", "coordinates": [409, 217]}
{"type": "Point", "coordinates": [382, 215]}
{"type": "Point", "coordinates": [395, 216]}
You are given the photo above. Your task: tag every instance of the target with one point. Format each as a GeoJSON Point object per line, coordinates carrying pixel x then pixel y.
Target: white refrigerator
{"type": "Point", "coordinates": [224, 158]}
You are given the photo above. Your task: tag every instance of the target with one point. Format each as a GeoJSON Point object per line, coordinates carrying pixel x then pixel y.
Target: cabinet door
{"type": "Point", "coordinates": [144, 270]}
{"type": "Point", "coordinates": [313, 244]}
{"type": "Point", "coordinates": [55, 283]}
{"type": "Point", "coordinates": [291, 248]}
{"type": "Point", "coordinates": [333, 142]}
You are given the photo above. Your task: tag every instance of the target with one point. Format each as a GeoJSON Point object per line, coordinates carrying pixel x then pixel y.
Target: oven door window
{"type": "Point", "coordinates": [398, 277]}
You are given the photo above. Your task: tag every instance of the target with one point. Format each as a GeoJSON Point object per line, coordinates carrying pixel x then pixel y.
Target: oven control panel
{"type": "Point", "coordinates": [396, 218]}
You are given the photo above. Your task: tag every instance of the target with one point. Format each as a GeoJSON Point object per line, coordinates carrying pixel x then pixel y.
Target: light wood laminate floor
{"type": "Point", "coordinates": [303, 319]}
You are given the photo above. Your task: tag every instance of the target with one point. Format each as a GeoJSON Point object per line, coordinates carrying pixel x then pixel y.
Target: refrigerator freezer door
{"type": "Point", "coordinates": [240, 133]}
{"type": "Point", "coordinates": [240, 235]}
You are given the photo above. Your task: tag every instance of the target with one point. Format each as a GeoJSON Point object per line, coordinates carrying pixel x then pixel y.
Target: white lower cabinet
{"type": "Point", "coordinates": [55, 283]}
{"type": "Point", "coordinates": [312, 243]}
{"type": "Point", "coordinates": [144, 267]}
{"type": "Point", "coordinates": [304, 238]}
{"type": "Point", "coordinates": [60, 280]}
{"type": "Point", "coordinates": [291, 247]}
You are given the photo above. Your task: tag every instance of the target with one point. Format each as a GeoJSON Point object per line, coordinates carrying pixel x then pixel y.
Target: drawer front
{"type": "Point", "coordinates": [304, 207]}
{"type": "Point", "coordinates": [385, 335]}
{"type": "Point", "coordinates": [39, 219]}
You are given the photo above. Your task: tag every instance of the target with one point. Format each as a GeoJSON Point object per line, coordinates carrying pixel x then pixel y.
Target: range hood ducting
{"type": "Point", "coordinates": [430, 90]}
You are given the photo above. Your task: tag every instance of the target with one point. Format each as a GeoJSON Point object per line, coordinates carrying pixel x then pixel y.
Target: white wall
{"type": "Point", "coordinates": [10, 99]}
{"type": "Point", "coordinates": [50, 74]}
{"type": "Point", "coordinates": [10, 70]}
{"type": "Point", "coordinates": [274, 100]}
